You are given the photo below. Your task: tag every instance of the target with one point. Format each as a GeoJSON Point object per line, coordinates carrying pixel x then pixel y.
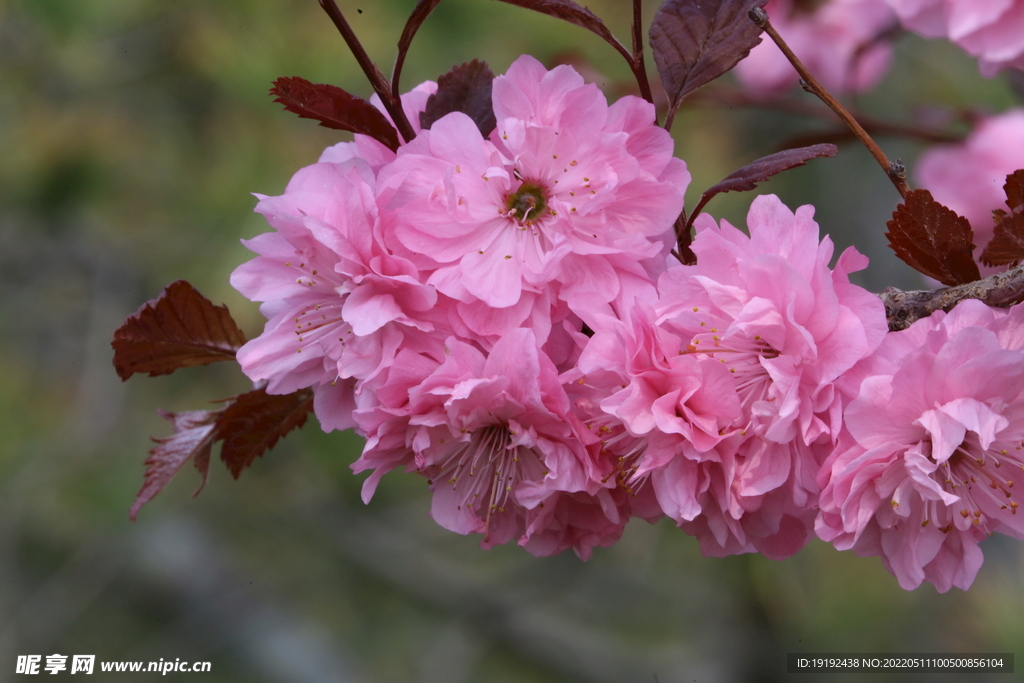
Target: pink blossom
{"type": "Point", "coordinates": [567, 197]}
{"type": "Point", "coordinates": [768, 309]}
{"type": "Point", "coordinates": [370, 150]}
{"type": "Point", "coordinates": [495, 436]}
{"type": "Point", "coordinates": [652, 409]}
{"type": "Point", "coordinates": [836, 41]}
{"type": "Point", "coordinates": [338, 304]}
{"type": "Point", "coordinates": [991, 30]}
{"type": "Point", "coordinates": [968, 177]}
{"type": "Point", "coordinates": [934, 438]}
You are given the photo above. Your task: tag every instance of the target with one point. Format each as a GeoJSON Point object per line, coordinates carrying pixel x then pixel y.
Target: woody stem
{"type": "Point", "coordinates": [896, 172]}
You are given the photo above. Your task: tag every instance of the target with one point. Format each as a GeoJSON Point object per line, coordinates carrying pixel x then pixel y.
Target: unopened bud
{"type": "Point", "coordinates": [758, 16]}
{"type": "Point", "coordinates": [897, 169]}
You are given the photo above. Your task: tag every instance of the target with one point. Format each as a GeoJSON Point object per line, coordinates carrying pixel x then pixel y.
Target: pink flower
{"type": "Point", "coordinates": [658, 411]}
{"type": "Point", "coordinates": [768, 309]}
{"type": "Point", "coordinates": [495, 436]}
{"type": "Point", "coordinates": [991, 30]}
{"type": "Point", "coordinates": [338, 304]}
{"type": "Point", "coordinates": [370, 150]}
{"type": "Point", "coordinates": [650, 408]}
{"type": "Point", "coordinates": [836, 41]}
{"type": "Point", "coordinates": [969, 177]}
{"type": "Point", "coordinates": [934, 444]}
{"type": "Point", "coordinates": [565, 199]}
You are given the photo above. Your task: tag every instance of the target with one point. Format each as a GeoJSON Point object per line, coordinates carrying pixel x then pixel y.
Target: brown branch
{"type": "Point", "coordinates": [903, 308]}
{"type": "Point", "coordinates": [636, 64]}
{"type": "Point", "coordinates": [733, 97]}
{"type": "Point", "coordinates": [895, 172]}
{"type": "Point", "coordinates": [412, 25]}
{"type": "Point", "coordinates": [377, 79]}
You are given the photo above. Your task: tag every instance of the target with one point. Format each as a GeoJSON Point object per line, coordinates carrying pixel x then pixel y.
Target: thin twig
{"type": "Point", "coordinates": [637, 63]}
{"type": "Point", "coordinates": [733, 97]}
{"type": "Point", "coordinates": [1000, 290]}
{"type": "Point", "coordinates": [408, 33]}
{"type": "Point", "coordinates": [377, 79]}
{"type": "Point", "coordinates": [895, 171]}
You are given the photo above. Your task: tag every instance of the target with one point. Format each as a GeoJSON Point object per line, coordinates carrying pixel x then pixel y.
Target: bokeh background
{"type": "Point", "coordinates": [132, 133]}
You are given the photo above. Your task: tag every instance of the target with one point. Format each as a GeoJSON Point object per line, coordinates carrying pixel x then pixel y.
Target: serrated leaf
{"type": "Point", "coordinates": [1007, 246]}
{"type": "Point", "coordinates": [1014, 189]}
{"type": "Point", "coordinates": [466, 88]}
{"type": "Point", "coordinates": [696, 41]}
{"type": "Point", "coordinates": [254, 422]}
{"type": "Point", "coordinates": [574, 13]}
{"type": "Point", "coordinates": [179, 329]}
{"type": "Point", "coordinates": [249, 425]}
{"type": "Point", "coordinates": [933, 240]}
{"type": "Point", "coordinates": [334, 108]}
{"type": "Point", "coordinates": [194, 434]}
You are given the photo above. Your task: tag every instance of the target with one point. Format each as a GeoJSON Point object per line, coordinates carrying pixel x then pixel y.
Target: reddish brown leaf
{"type": "Point", "coordinates": [1007, 246]}
{"type": "Point", "coordinates": [179, 329]}
{"type": "Point", "coordinates": [933, 239]}
{"type": "Point", "coordinates": [696, 41]}
{"type": "Point", "coordinates": [249, 425]}
{"type": "Point", "coordinates": [194, 434]}
{"type": "Point", "coordinates": [764, 168]}
{"type": "Point", "coordinates": [466, 88]}
{"type": "Point", "coordinates": [334, 108]}
{"type": "Point", "coordinates": [1014, 189]}
{"type": "Point", "coordinates": [574, 13]}
{"type": "Point", "coordinates": [255, 421]}
{"type": "Point", "coordinates": [746, 178]}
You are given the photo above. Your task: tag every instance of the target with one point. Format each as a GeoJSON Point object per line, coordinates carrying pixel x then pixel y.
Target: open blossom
{"type": "Point", "coordinates": [372, 151]}
{"type": "Point", "coordinates": [495, 437]}
{"type": "Point", "coordinates": [935, 443]}
{"type": "Point", "coordinates": [968, 177]}
{"type": "Point", "coordinates": [991, 30]}
{"type": "Point", "coordinates": [338, 304]}
{"type": "Point", "coordinates": [836, 40]}
{"type": "Point", "coordinates": [658, 412]}
{"type": "Point", "coordinates": [565, 197]}
{"type": "Point", "coordinates": [768, 309]}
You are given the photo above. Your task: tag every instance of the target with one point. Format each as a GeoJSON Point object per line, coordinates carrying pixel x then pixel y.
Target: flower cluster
{"type": "Point", "coordinates": [501, 314]}
{"type": "Point", "coordinates": [432, 298]}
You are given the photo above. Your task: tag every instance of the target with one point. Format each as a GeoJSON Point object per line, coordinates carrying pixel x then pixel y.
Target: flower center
{"type": "Point", "coordinates": [741, 356]}
{"type": "Point", "coordinates": [485, 469]}
{"type": "Point", "coordinates": [527, 203]}
{"type": "Point", "coordinates": [978, 478]}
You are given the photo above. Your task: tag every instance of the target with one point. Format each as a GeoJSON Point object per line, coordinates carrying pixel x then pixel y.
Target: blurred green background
{"type": "Point", "coordinates": [132, 133]}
